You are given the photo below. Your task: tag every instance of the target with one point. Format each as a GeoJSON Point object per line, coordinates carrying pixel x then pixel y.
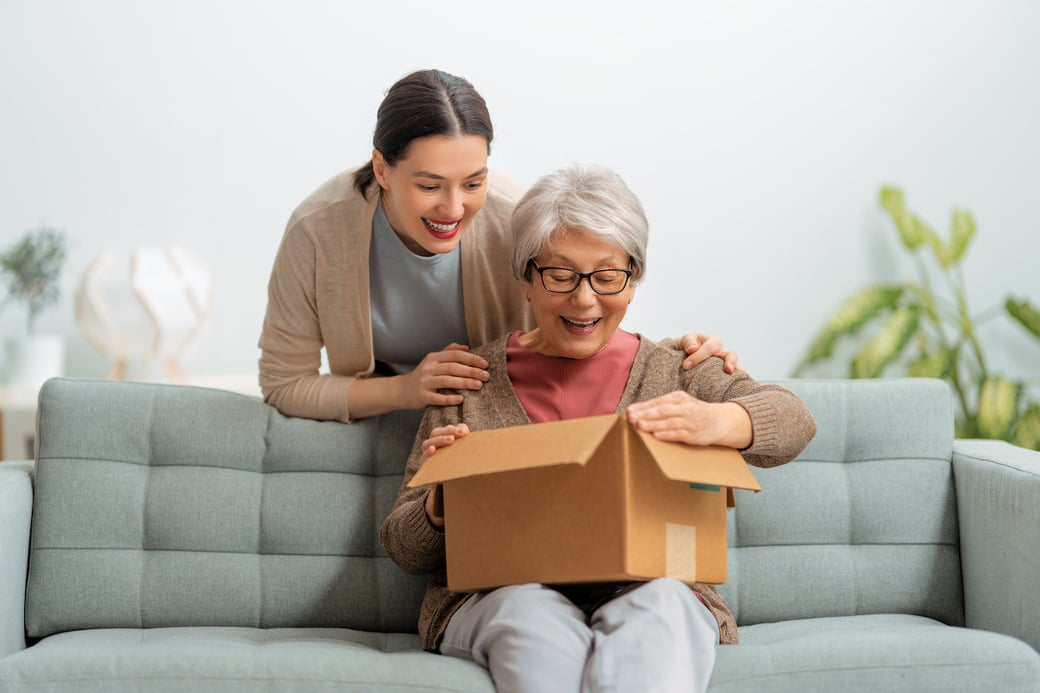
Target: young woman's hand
{"type": "Point", "coordinates": [703, 346]}
{"type": "Point", "coordinates": [440, 437]}
{"type": "Point", "coordinates": [681, 417]}
{"type": "Point", "coordinates": [453, 367]}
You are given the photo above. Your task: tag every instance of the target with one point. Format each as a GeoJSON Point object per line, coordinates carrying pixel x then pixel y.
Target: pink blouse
{"type": "Point", "coordinates": [552, 388]}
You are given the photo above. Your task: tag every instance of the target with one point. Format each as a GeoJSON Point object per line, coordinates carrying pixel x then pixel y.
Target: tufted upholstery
{"type": "Point", "coordinates": [191, 506]}
{"type": "Point", "coordinates": [864, 521]}
{"type": "Point", "coordinates": [187, 539]}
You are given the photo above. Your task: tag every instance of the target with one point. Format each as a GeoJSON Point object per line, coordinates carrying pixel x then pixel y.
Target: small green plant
{"type": "Point", "coordinates": [924, 332]}
{"type": "Point", "coordinates": [31, 269]}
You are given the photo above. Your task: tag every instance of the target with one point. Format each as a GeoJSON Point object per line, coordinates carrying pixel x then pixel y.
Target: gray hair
{"type": "Point", "coordinates": [581, 197]}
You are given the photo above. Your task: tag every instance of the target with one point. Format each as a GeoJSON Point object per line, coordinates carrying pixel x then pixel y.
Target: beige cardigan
{"type": "Point", "coordinates": [318, 294]}
{"type": "Point", "coordinates": [781, 425]}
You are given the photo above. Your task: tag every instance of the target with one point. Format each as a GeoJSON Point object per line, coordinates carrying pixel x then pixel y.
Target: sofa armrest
{"type": "Point", "coordinates": [16, 494]}
{"type": "Point", "coordinates": [998, 508]}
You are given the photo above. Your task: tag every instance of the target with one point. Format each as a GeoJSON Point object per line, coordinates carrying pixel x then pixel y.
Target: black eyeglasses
{"type": "Point", "coordinates": [563, 280]}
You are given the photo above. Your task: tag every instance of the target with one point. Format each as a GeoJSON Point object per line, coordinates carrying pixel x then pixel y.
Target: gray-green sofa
{"type": "Point", "coordinates": [183, 539]}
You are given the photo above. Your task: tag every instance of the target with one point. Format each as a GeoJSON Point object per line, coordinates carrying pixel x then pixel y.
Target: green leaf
{"type": "Point", "coordinates": [31, 268]}
{"type": "Point", "coordinates": [939, 249]}
{"type": "Point", "coordinates": [961, 233]}
{"type": "Point", "coordinates": [892, 201]}
{"type": "Point", "coordinates": [887, 344]}
{"type": "Point", "coordinates": [851, 315]}
{"type": "Point", "coordinates": [936, 364]}
{"type": "Point", "coordinates": [1027, 430]}
{"type": "Point", "coordinates": [998, 406]}
{"type": "Point", "coordinates": [1025, 313]}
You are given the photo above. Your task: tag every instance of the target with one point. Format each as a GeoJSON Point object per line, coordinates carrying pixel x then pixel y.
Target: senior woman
{"type": "Point", "coordinates": [579, 251]}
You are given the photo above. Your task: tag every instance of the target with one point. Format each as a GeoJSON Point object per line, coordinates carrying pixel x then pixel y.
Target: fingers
{"type": "Point", "coordinates": [670, 428]}
{"type": "Point", "coordinates": [730, 362]}
{"type": "Point", "coordinates": [443, 436]}
{"type": "Point", "coordinates": [692, 341]}
{"type": "Point", "coordinates": [668, 417]}
{"type": "Point", "coordinates": [457, 430]}
{"type": "Point", "coordinates": [460, 353]}
{"type": "Point", "coordinates": [433, 443]}
{"type": "Point", "coordinates": [454, 367]}
{"type": "Point", "coordinates": [452, 381]}
{"type": "Point", "coordinates": [700, 347]}
{"type": "Point", "coordinates": [441, 399]}
{"type": "Point", "coordinates": [648, 414]}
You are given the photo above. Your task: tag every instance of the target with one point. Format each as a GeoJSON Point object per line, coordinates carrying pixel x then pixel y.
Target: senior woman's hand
{"type": "Point", "coordinates": [699, 347]}
{"type": "Point", "coordinates": [681, 417]}
{"type": "Point", "coordinates": [440, 437]}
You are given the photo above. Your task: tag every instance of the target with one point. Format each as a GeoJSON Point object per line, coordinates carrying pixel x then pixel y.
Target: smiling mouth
{"type": "Point", "coordinates": [582, 325]}
{"type": "Point", "coordinates": [442, 229]}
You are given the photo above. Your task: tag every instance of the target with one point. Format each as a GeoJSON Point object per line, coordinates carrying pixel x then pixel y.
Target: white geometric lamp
{"type": "Point", "coordinates": [155, 303]}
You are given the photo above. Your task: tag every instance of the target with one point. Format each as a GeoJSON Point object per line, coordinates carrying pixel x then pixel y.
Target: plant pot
{"type": "Point", "coordinates": [32, 360]}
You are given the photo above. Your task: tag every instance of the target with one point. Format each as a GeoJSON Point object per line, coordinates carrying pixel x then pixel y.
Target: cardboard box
{"type": "Point", "coordinates": [583, 500]}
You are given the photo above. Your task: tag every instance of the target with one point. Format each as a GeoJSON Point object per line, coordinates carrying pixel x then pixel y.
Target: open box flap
{"type": "Point", "coordinates": [711, 465]}
{"type": "Point", "coordinates": [481, 453]}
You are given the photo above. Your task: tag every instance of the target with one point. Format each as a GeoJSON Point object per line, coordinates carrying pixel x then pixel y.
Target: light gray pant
{"type": "Point", "coordinates": [656, 637]}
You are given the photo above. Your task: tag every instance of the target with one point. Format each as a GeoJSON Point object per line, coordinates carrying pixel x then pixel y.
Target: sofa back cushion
{"type": "Point", "coordinates": [160, 505]}
{"type": "Point", "coordinates": [864, 520]}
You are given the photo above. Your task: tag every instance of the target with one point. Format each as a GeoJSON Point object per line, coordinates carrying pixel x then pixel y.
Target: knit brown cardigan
{"type": "Point", "coordinates": [781, 425]}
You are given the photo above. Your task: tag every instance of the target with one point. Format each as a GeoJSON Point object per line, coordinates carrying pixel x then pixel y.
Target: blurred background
{"type": "Point", "coordinates": [757, 135]}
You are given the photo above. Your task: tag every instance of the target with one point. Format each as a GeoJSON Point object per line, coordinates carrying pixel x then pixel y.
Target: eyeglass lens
{"type": "Point", "coordinates": [565, 280]}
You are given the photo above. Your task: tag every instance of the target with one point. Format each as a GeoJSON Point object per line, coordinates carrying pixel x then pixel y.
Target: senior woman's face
{"type": "Point", "coordinates": [581, 323]}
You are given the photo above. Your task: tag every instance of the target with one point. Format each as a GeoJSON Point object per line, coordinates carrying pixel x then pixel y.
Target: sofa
{"type": "Point", "coordinates": [174, 538]}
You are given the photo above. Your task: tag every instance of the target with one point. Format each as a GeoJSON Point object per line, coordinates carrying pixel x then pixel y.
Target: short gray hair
{"type": "Point", "coordinates": [581, 197]}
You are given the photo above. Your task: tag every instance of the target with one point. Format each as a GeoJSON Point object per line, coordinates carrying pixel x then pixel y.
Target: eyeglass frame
{"type": "Point", "coordinates": [583, 275]}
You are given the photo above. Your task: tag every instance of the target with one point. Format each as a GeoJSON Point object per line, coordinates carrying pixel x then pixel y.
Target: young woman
{"type": "Point", "coordinates": [397, 268]}
{"type": "Point", "coordinates": [580, 248]}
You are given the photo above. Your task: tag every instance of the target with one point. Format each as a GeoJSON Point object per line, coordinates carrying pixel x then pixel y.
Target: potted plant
{"type": "Point", "coordinates": [30, 271]}
{"type": "Point", "coordinates": [924, 328]}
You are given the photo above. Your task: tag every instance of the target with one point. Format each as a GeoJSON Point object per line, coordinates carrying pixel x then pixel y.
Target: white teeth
{"type": "Point", "coordinates": [580, 323]}
{"type": "Point", "coordinates": [442, 228]}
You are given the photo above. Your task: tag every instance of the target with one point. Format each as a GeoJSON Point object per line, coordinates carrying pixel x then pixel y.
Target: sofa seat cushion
{"type": "Point", "coordinates": [235, 660]}
{"type": "Point", "coordinates": [884, 652]}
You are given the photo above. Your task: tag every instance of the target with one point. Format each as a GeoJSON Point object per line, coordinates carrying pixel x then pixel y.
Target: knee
{"type": "Point", "coordinates": [529, 618]}
{"type": "Point", "coordinates": [668, 592]}
{"type": "Point", "coordinates": [518, 603]}
{"type": "Point", "coordinates": [676, 601]}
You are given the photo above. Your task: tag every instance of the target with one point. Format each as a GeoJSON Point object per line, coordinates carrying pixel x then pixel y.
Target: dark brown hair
{"type": "Point", "coordinates": [422, 104]}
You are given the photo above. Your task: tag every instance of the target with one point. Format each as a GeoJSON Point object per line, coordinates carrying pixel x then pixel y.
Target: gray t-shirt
{"type": "Point", "coordinates": [416, 301]}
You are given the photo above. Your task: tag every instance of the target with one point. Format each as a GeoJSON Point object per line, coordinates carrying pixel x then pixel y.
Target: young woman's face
{"type": "Point", "coordinates": [581, 323]}
{"type": "Point", "coordinates": [431, 195]}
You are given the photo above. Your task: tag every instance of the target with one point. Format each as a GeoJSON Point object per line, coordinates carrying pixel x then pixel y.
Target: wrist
{"type": "Point", "coordinates": [736, 431]}
{"type": "Point", "coordinates": [393, 386]}
{"type": "Point", "coordinates": [374, 395]}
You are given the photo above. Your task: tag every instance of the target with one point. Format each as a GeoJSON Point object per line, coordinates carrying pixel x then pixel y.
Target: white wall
{"type": "Point", "coordinates": [756, 133]}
